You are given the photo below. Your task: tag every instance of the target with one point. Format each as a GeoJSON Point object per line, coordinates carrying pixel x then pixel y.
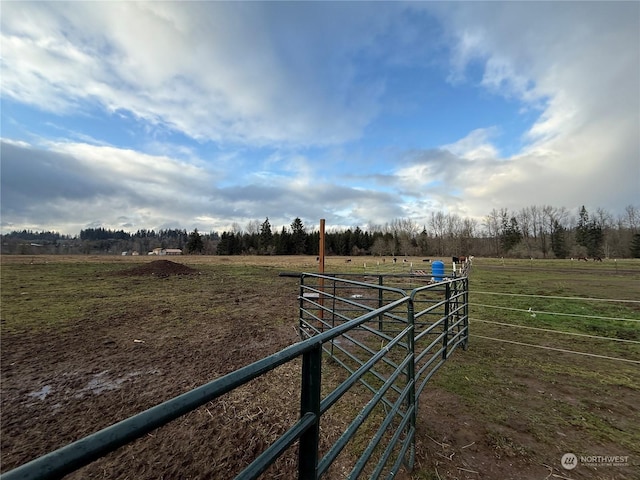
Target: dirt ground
{"type": "Point", "coordinates": [58, 387]}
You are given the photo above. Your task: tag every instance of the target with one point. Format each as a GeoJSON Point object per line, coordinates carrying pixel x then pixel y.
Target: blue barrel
{"type": "Point", "coordinates": [437, 270]}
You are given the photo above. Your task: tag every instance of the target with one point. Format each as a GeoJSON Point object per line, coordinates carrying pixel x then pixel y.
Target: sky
{"type": "Point", "coordinates": [213, 115]}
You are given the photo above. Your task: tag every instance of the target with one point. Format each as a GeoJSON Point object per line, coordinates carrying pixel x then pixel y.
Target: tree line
{"type": "Point", "coordinates": [532, 232]}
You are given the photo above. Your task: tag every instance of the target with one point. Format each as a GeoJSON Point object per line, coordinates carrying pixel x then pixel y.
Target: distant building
{"type": "Point", "coordinates": [166, 251]}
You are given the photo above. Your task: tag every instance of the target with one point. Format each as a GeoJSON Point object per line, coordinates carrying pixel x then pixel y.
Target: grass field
{"type": "Point", "coordinates": [498, 410]}
{"type": "Point", "coordinates": [537, 404]}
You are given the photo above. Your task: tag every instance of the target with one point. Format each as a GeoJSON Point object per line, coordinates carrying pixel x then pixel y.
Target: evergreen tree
{"type": "Point", "coordinates": [224, 244]}
{"type": "Point", "coordinates": [511, 235]}
{"type": "Point", "coordinates": [423, 242]}
{"type": "Point", "coordinates": [282, 242]}
{"type": "Point", "coordinates": [595, 239]}
{"type": "Point", "coordinates": [266, 237]}
{"type": "Point", "coordinates": [195, 243]}
{"type": "Point", "coordinates": [589, 234]}
{"type": "Point", "coordinates": [299, 236]}
{"type": "Point", "coordinates": [313, 243]}
{"type": "Point", "coordinates": [558, 241]}
{"type": "Point", "coordinates": [347, 242]}
{"type": "Point", "coordinates": [582, 229]}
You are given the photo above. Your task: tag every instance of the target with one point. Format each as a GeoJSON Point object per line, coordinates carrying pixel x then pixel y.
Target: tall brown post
{"type": "Point", "coordinates": [321, 270]}
{"type": "Point", "coordinates": [321, 256]}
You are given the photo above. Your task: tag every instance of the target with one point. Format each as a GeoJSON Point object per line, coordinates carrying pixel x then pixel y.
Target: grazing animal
{"type": "Point", "coordinates": [348, 260]}
{"type": "Point", "coordinates": [395, 259]}
{"type": "Point", "coordinates": [404, 260]}
{"type": "Point", "coordinates": [597, 259]}
{"type": "Point", "coordinates": [583, 258]}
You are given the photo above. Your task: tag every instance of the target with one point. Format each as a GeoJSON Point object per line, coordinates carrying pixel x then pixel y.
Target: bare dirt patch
{"type": "Point", "coordinates": [159, 268]}
{"type": "Point", "coordinates": [158, 340]}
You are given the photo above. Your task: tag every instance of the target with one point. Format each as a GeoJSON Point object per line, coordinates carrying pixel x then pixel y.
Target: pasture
{"type": "Point", "coordinates": [87, 341]}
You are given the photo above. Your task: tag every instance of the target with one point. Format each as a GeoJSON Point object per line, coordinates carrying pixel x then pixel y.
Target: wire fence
{"type": "Point", "coordinates": [549, 330]}
{"type": "Point", "coordinates": [534, 328]}
{"type": "Point", "coordinates": [536, 312]}
{"type": "Point", "coordinates": [557, 349]}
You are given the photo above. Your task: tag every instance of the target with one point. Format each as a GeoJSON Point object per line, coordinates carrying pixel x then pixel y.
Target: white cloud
{"type": "Point", "coordinates": [135, 168]}
{"type": "Point", "coordinates": [577, 62]}
{"type": "Point", "coordinates": [214, 71]}
{"type": "Point", "coordinates": [476, 145]}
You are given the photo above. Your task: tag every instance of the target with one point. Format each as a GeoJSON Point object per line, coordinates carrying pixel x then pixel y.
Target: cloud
{"type": "Point", "coordinates": [271, 109]}
{"type": "Point", "coordinates": [213, 71]}
{"type": "Point", "coordinates": [475, 146]}
{"type": "Point", "coordinates": [578, 64]}
{"type": "Point", "coordinates": [35, 177]}
{"type": "Point", "coordinates": [69, 186]}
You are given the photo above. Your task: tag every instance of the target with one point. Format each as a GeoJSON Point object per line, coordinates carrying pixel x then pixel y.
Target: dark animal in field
{"type": "Point", "coordinates": [426, 259]}
{"type": "Point", "coordinates": [583, 258]}
{"type": "Point", "coordinates": [597, 259]}
{"type": "Point", "coordinates": [404, 260]}
{"type": "Point", "coordinates": [348, 260]}
{"type": "Point", "coordinates": [395, 259]}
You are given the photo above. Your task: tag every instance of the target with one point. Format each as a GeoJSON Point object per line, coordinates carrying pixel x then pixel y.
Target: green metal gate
{"type": "Point", "coordinates": [392, 355]}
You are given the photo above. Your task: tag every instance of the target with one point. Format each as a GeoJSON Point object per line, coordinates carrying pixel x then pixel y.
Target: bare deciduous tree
{"type": "Point", "coordinates": [437, 222]}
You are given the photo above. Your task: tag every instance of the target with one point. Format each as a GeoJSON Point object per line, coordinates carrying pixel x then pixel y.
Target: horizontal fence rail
{"type": "Point", "coordinates": [388, 334]}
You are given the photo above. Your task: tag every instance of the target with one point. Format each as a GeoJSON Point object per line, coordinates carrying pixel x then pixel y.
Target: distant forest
{"type": "Point", "coordinates": [532, 232]}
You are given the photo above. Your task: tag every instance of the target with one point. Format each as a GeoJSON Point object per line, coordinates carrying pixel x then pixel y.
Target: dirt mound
{"type": "Point", "coordinates": [159, 268]}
